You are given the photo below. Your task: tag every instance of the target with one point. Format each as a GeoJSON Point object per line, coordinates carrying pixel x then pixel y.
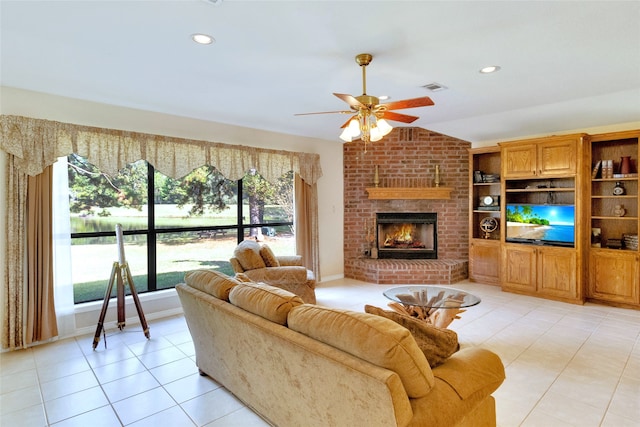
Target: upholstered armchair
{"type": "Point", "coordinates": [257, 263]}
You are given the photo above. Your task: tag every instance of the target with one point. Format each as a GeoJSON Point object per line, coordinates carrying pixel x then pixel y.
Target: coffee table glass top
{"type": "Point", "coordinates": [431, 296]}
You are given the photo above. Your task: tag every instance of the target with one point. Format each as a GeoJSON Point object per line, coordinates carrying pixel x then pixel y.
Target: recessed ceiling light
{"type": "Point", "coordinates": [490, 69]}
{"type": "Point", "coordinates": [384, 97]}
{"type": "Point", "coordinates": [202, 38]}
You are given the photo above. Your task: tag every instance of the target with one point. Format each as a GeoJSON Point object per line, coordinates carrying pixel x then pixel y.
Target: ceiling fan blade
{"type": "Point", "coordinates": [324, 112]}
{"type": "Point", "coordinates": [397, 117]}
{"type": "Point", "coordinates": [425, 101]}
{"type": "Point", "coordinates": [350, 100]}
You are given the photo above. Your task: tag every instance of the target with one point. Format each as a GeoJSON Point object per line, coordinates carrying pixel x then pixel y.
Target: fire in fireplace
{"type": "Point", "coordinates": [407, 235]}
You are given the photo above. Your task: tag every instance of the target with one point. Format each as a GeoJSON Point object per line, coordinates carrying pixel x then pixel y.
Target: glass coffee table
{"type": "Point", "coordinates": [431, 296]}
{"type": "Point", "coordinates": [438, 305]}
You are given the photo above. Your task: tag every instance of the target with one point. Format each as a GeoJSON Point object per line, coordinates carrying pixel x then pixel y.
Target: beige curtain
{"type": "Point", "coordinates": [306, 224]}
{"type": "Point", "coordinates": [13, 331]}
{"type": "Point", "coordinates": [33, 144]}
{"type": "Point", "coordinates": [41, 314]}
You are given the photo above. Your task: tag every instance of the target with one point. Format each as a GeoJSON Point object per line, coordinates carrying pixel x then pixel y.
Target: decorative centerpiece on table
{"type": "Point", "coordinates": [439, 310]}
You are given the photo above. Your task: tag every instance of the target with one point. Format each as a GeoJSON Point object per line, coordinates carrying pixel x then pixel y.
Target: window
{"type": "Point", "coordinates": [170, 226]}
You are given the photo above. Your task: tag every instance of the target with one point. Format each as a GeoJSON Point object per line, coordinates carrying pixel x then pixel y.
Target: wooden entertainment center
{"type": "Point", "coordinates": [594, 176]}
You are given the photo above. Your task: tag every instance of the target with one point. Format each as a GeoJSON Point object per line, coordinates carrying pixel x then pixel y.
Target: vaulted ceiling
{"type": "Point", "coordinates": [564, 64]}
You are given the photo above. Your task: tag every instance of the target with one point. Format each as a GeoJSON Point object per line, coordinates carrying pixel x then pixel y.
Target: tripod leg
{"type": "Point", "coordinates": [120, 297]}
{"type": "Point", "coordinates": [136, 300]}
{"type": "Point", "coordinates": [105, 305]}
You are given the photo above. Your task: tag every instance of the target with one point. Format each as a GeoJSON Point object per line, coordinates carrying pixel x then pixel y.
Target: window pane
{"type": "Point", "coordinates": [98, 202]}
{"type": "Point", "coordinates": [92, 262]}
{"type": "Point", "coordinates": [178, 253]}
{"type": "Point", "coordinates": [202, 198]}
{"type": "Point", "coordinates": [265, 203]}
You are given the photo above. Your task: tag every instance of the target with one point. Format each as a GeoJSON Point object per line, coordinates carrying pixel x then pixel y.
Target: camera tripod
{"type": "Point", "coordinates": [119, 274]}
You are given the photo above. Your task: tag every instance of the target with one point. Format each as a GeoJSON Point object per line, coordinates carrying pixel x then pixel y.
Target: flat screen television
{"type": "Point", "coordinates": [552, 225]}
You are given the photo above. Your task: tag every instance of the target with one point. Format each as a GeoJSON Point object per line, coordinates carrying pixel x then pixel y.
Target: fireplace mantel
{"type": "Point", "coordinates": [409, 193]}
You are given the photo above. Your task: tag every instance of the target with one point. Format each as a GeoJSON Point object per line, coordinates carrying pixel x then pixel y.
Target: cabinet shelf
{"type": "Point", "coordinates": [617, 218]}
{"type": "Point", "coordinates": [614, 179]}
{"type": "Point", "coordinates": [628, 196]}
{"type": "Point", "coordinates": [540, 190]}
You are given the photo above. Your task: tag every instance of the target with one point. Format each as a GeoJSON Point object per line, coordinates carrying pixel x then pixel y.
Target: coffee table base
{"type": "Point", "coordinates": [441, 318]}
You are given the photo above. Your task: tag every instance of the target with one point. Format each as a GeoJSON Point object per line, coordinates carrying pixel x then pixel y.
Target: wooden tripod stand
{"type": "Point", "coordinates": [119, 274]}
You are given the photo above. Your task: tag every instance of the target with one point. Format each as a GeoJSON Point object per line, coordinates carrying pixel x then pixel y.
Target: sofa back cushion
{"type": "Point", "coordinates": [211, 281]}
{"type": "Point", "coordinates": [373, 338]}
{"type": "Point", "coordinates": [265, 301]}
{"type": "Point", "coordinates": [248, 255]}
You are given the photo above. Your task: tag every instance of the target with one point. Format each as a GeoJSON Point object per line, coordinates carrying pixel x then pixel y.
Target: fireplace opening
{"type": "Point", "coordinates": [407, 235]}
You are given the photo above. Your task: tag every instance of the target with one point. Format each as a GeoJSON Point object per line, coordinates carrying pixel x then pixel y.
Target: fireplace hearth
{"type": "Point", "coordinates": [407, 235]}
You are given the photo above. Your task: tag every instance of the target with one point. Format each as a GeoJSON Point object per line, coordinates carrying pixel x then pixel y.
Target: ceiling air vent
{"type": "Point", "coordinates": [434, 87]}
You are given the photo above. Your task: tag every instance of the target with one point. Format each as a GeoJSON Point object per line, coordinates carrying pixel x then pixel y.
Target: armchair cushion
{"type": "Point", "coordinates": [268, 256]}
{"type": "Point", "coordinates": [285, 260]}
{"type": "Point", "coordinates": [248, 255]}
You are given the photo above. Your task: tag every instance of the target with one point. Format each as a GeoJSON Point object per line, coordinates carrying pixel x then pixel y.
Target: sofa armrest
{"type": "Point", "coordinates": [472, 370]}
{"type": "Point", "coordinates": [280, 275]}
{"type": "Point", "coordinates": [288, 260]}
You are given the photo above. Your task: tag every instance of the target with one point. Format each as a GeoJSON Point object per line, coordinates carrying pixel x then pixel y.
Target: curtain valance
{"type": "Point", "coordinates": [37, 143]}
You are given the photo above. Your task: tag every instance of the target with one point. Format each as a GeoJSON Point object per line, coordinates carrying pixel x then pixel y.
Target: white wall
{"type": "Point", "coordinates": [330, 188]}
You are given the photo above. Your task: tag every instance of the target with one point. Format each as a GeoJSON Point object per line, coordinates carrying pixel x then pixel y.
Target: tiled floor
{"type": "Point", "coordinates": [567, 365]}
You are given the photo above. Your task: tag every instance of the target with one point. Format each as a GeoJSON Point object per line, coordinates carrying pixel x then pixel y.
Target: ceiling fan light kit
{"type": "Point", "coordinates": [370, 120]}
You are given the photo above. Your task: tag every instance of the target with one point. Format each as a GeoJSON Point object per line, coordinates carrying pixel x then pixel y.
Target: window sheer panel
{"type": "Point", "coordinates": [63, 282]}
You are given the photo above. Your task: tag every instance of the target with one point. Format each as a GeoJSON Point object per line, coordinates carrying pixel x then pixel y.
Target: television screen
{"type": "Point", "coordinates": [543, 224]}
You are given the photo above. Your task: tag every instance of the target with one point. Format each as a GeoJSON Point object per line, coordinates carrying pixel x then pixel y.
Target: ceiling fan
{"type": "Point", "coordinates": [369, 115]}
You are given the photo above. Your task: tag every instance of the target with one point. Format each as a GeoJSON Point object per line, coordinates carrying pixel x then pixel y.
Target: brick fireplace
{"type": "Point", "coordinates": [407, 157]}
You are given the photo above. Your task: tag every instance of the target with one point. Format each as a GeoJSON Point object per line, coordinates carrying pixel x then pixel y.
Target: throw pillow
{"type": "Point", "coordinates": [211, 282]}
{"type": "Point", "coordinates": [268, 256]}
{"type": "Point", "coordinates": [248, 255]}
{"type": "Point", "coordinates": [437, 344]}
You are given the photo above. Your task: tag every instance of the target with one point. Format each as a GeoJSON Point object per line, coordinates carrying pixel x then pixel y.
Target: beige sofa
{"type": "Point", "coordinates": [259, 264]}
{"type": "Point", "coordinates": [300, 364]}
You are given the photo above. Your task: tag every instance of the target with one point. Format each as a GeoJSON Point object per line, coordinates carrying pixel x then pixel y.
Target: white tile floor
{"type": "Point", "coordinates": [567, 365]}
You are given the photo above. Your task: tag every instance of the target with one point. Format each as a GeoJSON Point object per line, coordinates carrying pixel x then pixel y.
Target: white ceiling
{"type": "Point", "coordinates": [565, 64]}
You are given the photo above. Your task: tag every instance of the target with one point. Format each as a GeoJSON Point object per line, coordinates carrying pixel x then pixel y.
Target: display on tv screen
{"type": "Point", "coordinates": [543, 224]}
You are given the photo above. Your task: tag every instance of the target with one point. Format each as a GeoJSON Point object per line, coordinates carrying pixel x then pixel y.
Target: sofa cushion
{"type": "Point", "coordinates": [373, 338]}
{"type": "Point", "coordinates": [268, 256]}
{"type": "Point", "coordinates": [248, 255]}
{"type": "Point", "coordinates": [265, 301]}
{"type": "Point", "coordinates": [211, 281]}
{"type": "Point", "coordinates": [437, 344]}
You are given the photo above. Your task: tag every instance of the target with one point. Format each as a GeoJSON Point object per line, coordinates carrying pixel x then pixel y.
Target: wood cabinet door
{"type": "Point", "coordinates": [614, 276]}
{"type": "Point", "coordinates": [484, 261]}
{"type": "Point", "coordinates": [519, 268]}
{"type": "Point", "coordinates": [519, 161]}
{"type": "Point", "coordinates": [557, 158]}
{"type": "Point", "coordinates": [556, 270]}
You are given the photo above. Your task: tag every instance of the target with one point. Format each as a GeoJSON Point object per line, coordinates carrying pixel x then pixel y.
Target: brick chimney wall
{"type": "Point", "coordinates": [406, 157]}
